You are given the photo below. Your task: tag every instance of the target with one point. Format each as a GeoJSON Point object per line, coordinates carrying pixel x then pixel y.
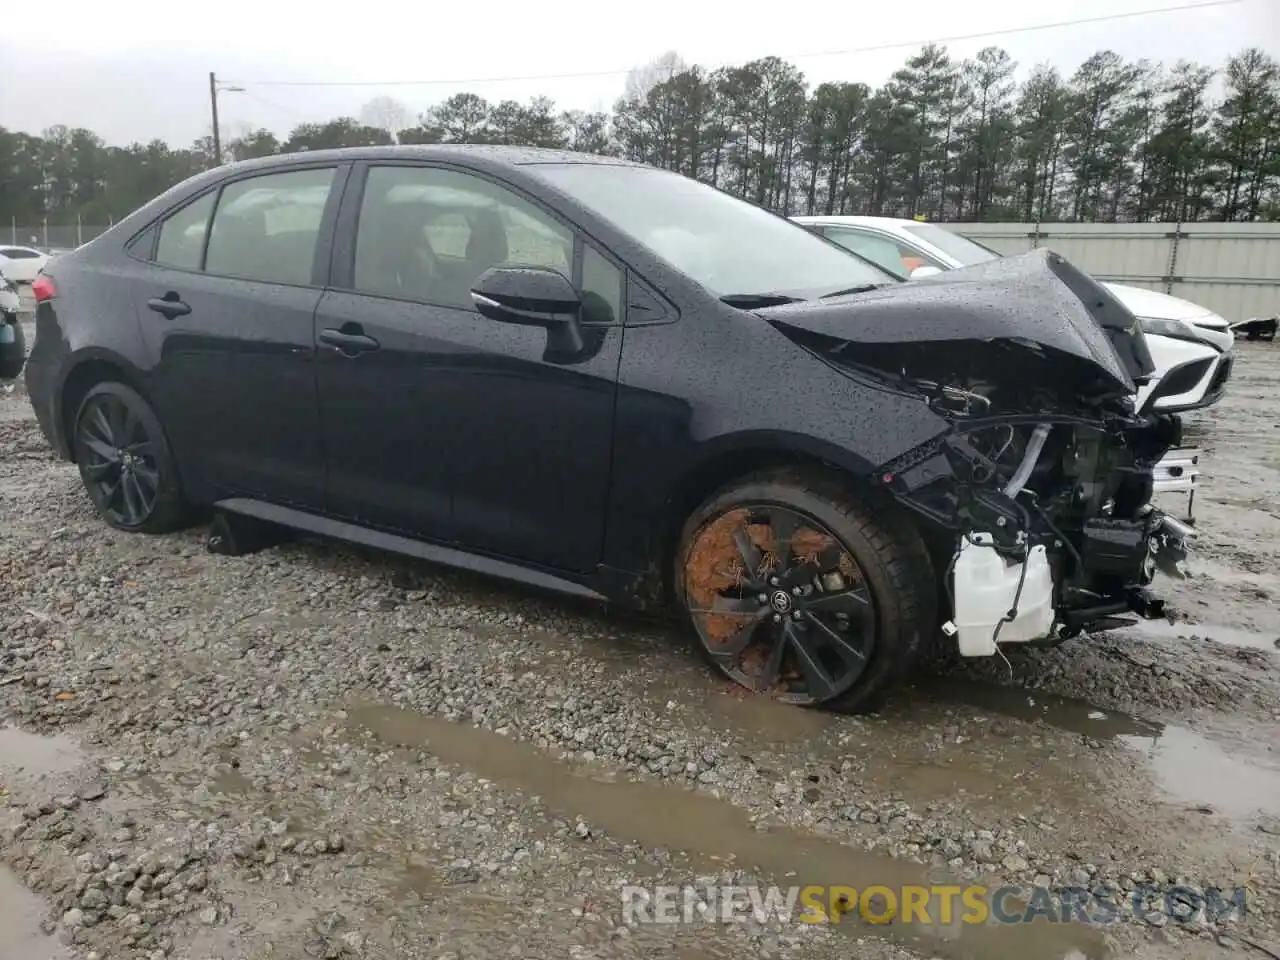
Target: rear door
{"type": "Point", "coordinates": [226, 308]}
{"type": "Point", "coordinates": [440, 422]}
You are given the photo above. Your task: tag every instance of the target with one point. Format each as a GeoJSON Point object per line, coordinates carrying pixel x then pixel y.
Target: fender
{"type": "Point", "coordinates": [84, 368]}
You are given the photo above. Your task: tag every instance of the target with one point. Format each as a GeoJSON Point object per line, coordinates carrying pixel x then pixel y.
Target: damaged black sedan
{"type": "Point", "coordinates": [613, 381]}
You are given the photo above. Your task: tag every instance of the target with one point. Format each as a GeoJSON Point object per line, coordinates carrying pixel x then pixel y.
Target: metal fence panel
{"type": "Point", "coordinates": [1230, 268]}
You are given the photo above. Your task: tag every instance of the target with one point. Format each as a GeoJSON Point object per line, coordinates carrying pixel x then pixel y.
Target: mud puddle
{"type": "Point", "coordinates": [1034, 706]}
{"type": "Point", "coordinates": [711, 832]}
{"type": "Point", "coordinates": [30, 755]}
{"type": "Point", "coordinates": [1198, 771]}
{"type": "Point", "coordinates": [762, 720]}
{"type": "Point", "coordinates": [1197, 632]}
{"type": "Point", "coordinates": [20, 934]}
{"type": "Point", "coordinates": [1239, 781]}
{"type": "Point", "coordinates": [899, 750]}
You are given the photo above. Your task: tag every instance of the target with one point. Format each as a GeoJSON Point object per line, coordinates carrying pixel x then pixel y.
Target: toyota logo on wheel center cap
{"type": "Point", "coordinates": [780, 601]}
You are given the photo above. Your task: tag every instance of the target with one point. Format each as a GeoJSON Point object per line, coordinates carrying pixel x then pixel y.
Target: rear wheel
{"type": "Point", "coordinates": [795, 591]}
{"type": "Point", "coordinates": [125, 462]}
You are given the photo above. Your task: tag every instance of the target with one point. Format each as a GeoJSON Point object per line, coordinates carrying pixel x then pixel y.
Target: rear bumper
{"type": "Point", "coordinates": [41, 377]}
{"type": "Point", "coordinates": [40, 392]}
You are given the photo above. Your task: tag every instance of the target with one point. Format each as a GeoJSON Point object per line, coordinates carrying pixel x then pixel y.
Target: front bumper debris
{"type": "Point", "coordinates": [1048, 522]}
{"type": "Point", "coordinates": [1178, 471]}
{"type": "Point", "coordinates": [998, 599]}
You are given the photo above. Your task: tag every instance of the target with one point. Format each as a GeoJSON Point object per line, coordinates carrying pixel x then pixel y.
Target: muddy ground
{"type": "Point", "coordinates": [319, 752]}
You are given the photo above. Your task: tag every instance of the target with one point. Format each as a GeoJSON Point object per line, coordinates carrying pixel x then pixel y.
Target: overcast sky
{"type": "Point", "coordinates": [138, 69]}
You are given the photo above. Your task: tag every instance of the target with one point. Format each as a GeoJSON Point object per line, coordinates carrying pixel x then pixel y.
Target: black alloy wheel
{"type": "Point", "coordinates": [780, 604]}
{"type": "Point", "coordinates": [797, 591]}
{"type": "Point", "coordinates": [125, 462]}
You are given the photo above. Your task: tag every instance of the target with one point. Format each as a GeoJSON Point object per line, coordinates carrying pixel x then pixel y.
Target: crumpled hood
{"type": "Point", "coordinates": [1036, 300]}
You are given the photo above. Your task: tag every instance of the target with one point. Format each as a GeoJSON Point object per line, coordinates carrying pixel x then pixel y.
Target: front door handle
{"type": "Point", "coordinates": [170, 306]}
{"type": "Point", "coordinates": [349, 342]}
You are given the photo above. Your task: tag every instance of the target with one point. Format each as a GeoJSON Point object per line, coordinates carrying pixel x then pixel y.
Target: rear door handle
{"type": "Point", "coordinates": [349, 343]}
{"type": "Point", "coordinates": [170, 305]}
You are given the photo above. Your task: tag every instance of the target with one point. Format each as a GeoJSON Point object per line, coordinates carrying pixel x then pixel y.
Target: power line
{"type": "Point", "coordinates": [801, 56]}
{"type": "Point", "coordinates": [270, 103]}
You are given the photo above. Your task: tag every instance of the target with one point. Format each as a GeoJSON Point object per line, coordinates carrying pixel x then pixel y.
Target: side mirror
{"type": "Point", "coordinates": [919, 273]}
{"type": "Point", "coordinates": [529, 296]}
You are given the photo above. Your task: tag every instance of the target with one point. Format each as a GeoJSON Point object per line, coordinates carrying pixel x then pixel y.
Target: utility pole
{"type": "Point", "coordinates": [213, 105]}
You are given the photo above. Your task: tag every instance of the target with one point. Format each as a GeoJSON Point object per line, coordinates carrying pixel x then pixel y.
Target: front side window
{"type": "Point", "coordinates": [883, 251]}
{"type": "Point", "coordinates": [267, 227]}
{"type": "Point", "coordinates": [963, 250]}
{"type": "Point", "coordinates": [428, 234]}
{"type": "Point", "coordinates": [182, 234]}
{"type": "Point", "coordinates": [726, 245]}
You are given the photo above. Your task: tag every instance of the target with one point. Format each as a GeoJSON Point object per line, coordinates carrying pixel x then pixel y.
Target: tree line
{"type": "Point", "coordinates": [943, 138]}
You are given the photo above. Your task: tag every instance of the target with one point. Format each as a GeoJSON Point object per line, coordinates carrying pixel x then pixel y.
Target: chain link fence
{"type": "Point", "coordinates": [48, 236]}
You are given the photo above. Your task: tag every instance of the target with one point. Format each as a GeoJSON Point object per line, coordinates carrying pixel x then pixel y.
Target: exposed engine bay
{"type": "Point", "coordinates": [1039, 491]}
{"type": "Point", "coordinates": [1052, 518]}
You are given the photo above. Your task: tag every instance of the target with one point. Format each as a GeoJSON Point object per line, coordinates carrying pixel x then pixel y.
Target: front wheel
{"type": "Point", "coordinates": [796, 591]}
{"type": "Point", "coordinates": [125, 462]}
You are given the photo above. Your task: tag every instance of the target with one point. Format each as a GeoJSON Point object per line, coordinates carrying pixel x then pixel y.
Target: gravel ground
{"type": "Point", "coordinates": [321, 752]}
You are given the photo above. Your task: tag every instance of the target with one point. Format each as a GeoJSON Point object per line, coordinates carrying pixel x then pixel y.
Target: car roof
{"type": "Point", "coordinates": [479, 155]}
{"type": "Point", "coordinates": [859, 221]}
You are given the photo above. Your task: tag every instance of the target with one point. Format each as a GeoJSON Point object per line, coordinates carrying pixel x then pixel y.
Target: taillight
{"type": "Point", "coordinates": [42, 288]}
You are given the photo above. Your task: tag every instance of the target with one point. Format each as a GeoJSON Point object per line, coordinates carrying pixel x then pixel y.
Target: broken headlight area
{"type": "Point", "coordinates": [1048, 520]}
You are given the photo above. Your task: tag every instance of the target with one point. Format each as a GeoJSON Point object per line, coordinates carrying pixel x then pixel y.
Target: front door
{"type": "Point", "coordinates": [449, 426]}
{"type": "Point", "coordinates": [228, 320]}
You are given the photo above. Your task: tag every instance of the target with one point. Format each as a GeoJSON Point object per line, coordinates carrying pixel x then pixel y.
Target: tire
{"type": "Point", "coordinates": [125, 462]}
{"type": "Point", "coordinates": [864, 628]}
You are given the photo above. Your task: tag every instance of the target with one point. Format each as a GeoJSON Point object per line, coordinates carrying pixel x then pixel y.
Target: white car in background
{"type": "Point", "coordinates": [10, 300]}
{"type": "Point", "coordinates": [1186, 341]}
{"type": "Point", "coordinates": [21, 264]}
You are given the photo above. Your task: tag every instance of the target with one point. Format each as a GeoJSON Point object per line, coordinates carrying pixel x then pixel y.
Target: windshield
{"type": "Point", "coordinates": [727, 245]}
{"type": "Point", "coordinates": [967, 251]}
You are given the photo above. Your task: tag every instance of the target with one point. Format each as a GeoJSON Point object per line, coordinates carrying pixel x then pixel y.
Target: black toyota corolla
{"type": "Point", "coordinates": [617, 382]}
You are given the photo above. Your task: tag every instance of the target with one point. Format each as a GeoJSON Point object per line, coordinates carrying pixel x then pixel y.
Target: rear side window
{"type": "Point", "coordinates": [19, 253]}
{"type": "Point", "coordinates": [266, 228]}
{"type": "Point", "coordinates": [182, 234]}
